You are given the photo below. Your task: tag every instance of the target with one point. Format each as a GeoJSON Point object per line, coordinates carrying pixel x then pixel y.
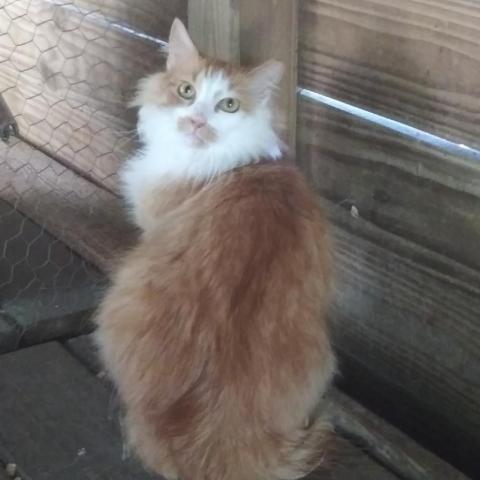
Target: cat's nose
{"type": "Point", "coordinates": [197, 121]}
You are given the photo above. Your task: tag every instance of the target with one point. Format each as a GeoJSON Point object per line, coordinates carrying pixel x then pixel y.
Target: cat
{"type": "Point", "coordinates": [214, 328]}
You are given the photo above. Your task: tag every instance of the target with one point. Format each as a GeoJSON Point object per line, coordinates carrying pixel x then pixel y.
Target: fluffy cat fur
{"type": "Point", "coordinates": [214, 329]}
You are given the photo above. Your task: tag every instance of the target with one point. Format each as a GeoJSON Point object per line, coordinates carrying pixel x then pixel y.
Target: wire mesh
{"type": "Point", "coordinates": [67, 69]}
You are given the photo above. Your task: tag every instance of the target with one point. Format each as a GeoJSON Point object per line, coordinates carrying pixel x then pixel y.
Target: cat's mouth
{"type": "Point", "coordinates": [199, 138]}
{"type": "Point", "coordinates": [197, 135]}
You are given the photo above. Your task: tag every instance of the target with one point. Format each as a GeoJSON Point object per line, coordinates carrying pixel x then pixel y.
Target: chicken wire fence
{"type": "Point", "coordinates": [67, 69]}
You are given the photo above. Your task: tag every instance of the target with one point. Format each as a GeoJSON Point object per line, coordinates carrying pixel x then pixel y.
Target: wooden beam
{"type": "Point", "coordinates": [250, 32]}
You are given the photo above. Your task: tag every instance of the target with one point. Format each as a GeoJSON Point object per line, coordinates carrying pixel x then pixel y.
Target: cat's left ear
{"type": "Point", "coordinates": [181, 50]}
{"type": "Point", "coordinates": [266, 77]}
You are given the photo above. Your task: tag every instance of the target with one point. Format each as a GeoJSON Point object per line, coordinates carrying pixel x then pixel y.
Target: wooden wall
{"type": "Point", "coordinates": [416, 61]}
{"type": "Point", "coordinates": [406, 214]}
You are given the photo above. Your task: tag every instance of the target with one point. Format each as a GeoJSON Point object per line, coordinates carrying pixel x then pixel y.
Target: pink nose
{"type": "Point", "coordinates": [197, 121]}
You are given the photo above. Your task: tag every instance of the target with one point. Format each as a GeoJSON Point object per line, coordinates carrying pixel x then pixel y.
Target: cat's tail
{"type": "Point", "coordinates": [311, 448]}
{"type": "Point", "coordinates": [273, 457]}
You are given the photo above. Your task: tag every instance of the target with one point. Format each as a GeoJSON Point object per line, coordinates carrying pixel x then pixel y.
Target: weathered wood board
{"type": "Point", "coordinates": [46, 290]}
{"type": "Point", "coordinates": [401, 186]}
{"type": "Point", "coordinates": [408, 318]}
{"type": "Point", "coordinates": [77, 212]}
{"type": "Point", "coordinates": [56, 418]}
{"type": "Point", "coordinates": [417, 62]}
{"type": "Point", "coordinates": [67, 70]}
{"type": "Point", "coordinates": [407, 311]}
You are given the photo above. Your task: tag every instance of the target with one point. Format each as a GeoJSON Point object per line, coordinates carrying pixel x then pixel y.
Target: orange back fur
{"type": "Point", "coordinates": [214, 330]}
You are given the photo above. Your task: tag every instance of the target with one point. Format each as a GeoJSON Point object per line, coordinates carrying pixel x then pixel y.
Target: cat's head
{"type": "Point", "coordinates": [209, 106]}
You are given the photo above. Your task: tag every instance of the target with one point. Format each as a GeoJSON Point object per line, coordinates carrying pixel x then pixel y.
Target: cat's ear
{"type": "Point", "coordinates": [266, 77]}
{"type": "Point", "coordinates": [181, 50]}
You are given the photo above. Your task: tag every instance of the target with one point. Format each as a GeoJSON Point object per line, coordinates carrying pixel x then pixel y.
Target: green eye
{"type": "Point", "coordinates": [186, 90]}
{"type": "Point", "coordinates": [229, 105]}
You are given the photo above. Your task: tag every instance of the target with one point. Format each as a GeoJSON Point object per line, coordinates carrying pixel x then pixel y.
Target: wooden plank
{"type": "Point", "coordinates": [408, 318]}
{"type": "Point", "coordinates": [67, 71]}
{"type": "Point", "coordinates": [56, 314]}
{"type": "Point", "coordinates": [56, 418]}
{"type": "Point", "coordinates": [46, 290]}
{"type": "Point", "coordinates": [87, 218]}
{"type": "Point", "coordinates": [413, 61]}
{"type": "Point", "coordinates": [385, 443]}
{"type": "Point", "coordinates": [84, 349]}
{"type": "Point", "coordinates": [252, 32]}
{"type": "Point", "coordinates": [404, 187]}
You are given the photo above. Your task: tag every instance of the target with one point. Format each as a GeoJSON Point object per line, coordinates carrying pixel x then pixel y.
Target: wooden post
{"type": "Point", "coordinates": [214, 27]}
{"type": "Point", "coordinates": [268, 29]}
{"type": "Point", "coordinates": [250, 32]}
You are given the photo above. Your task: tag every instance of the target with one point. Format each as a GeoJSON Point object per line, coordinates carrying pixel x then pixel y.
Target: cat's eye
{"type": "Point", "coordinates": [229, 105]}
{"type": "Point", "coordinates": [186, 90]}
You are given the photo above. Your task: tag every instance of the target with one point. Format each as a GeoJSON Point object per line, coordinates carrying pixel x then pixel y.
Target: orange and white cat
{"type": "Point", "coordinates": [214, 328]}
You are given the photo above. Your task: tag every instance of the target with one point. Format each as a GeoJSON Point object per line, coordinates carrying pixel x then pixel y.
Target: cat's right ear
{"type": "Point", "coordinates": [266, 77]}
{"type": "Point", "coordinates": [181, 50]}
